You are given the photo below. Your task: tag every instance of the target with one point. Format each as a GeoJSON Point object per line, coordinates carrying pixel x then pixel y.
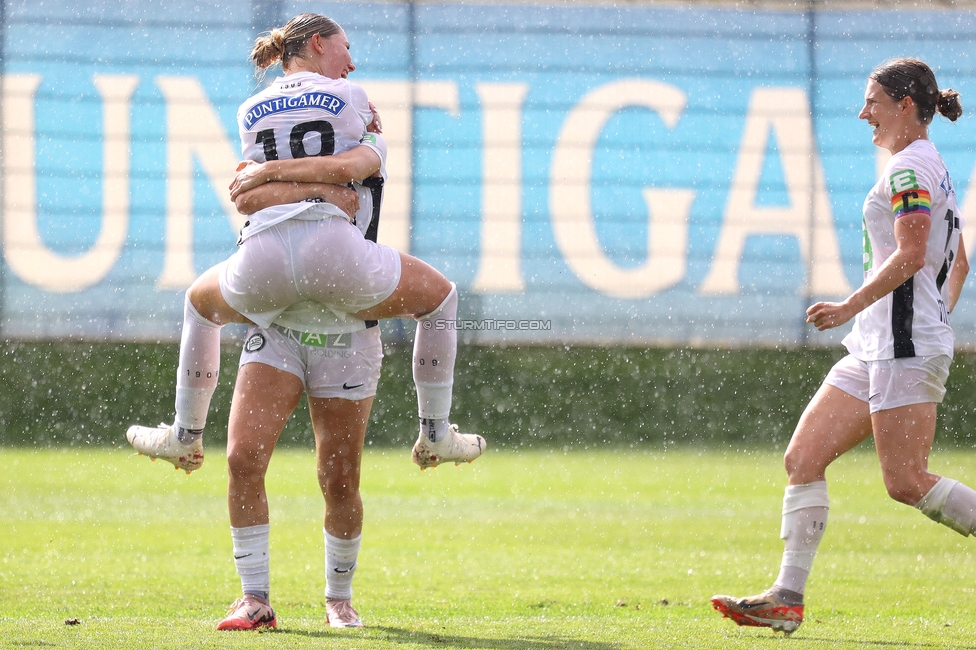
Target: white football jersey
{"type": "Point", "coordinates": [297, 116]}
{"type": "Point", "coordinates": [913, 320]}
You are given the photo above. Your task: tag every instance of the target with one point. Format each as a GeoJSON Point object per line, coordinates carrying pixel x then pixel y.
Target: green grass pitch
{"type": "Point", "coordinates": [535, 550]}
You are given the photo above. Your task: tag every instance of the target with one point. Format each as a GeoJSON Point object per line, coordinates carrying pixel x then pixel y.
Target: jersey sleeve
{"type": "Point", "coordinates": [360, 102]}
{"type": "Point", "coordinates": [909, 191]}
{"type": "Point", "coordinates": [376, 142]}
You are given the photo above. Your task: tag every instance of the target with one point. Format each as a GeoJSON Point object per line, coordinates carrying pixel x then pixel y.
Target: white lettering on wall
{"type": "Point", "coordinates": [968, 209]}
{"type": "Point", "coordinates": [193, 128]}
{"type": "Point", "coordinates": [395, 101]}
{"type": "Point", "coordinates": [570, 203]}
{"type": "Point", "coordinates": [785, 112]}
{"type": "Point", "coordinates": [26, 254]}
{"type": "Point", "coordinates": [499, 262]}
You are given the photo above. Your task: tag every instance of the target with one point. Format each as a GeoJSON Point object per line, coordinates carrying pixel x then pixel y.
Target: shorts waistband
{"type": "Point", "coordinates": [303, 337]}
{"type": "Point", "coordinates": [287, 332]}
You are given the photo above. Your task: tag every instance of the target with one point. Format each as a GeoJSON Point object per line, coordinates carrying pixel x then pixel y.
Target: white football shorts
{"type": "Point", "coordinates": [327, 261]}
{"type": "Point", "coordinates": [890, 383]}
{"type": "Point", "coordinates": [346, 366]}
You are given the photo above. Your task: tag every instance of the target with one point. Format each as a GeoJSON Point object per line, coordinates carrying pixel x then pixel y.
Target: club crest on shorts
{"type": "Point", "coordinates": [254, 343]}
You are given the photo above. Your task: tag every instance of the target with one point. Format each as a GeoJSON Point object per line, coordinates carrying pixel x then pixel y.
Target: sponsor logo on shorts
{"type": "Point", "coordinates": [346, 386]}
{"type": "Point", "coordinates": [341, 341]}
{"type": "Point", "coordinates": [254, 343]}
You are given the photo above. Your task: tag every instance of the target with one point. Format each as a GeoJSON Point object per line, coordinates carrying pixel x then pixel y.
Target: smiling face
{"type": "Point", "coordinates": [894, 122]}
{"type": "Point", "coordinates": [337, 61]}
{"type": "Point", "coordinates": [326, 55]}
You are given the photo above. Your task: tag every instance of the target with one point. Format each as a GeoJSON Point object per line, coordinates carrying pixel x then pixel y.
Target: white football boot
{"type": "Point", "coordinates": [163, 442]}
{"type": "Point", "coordinates": [456, 448]}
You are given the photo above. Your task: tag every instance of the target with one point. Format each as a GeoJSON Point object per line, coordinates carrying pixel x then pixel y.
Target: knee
{"type": "Point", "coordinates": [201, 291]}
{"type": "Point", "coordinates": [340, 487]}
{"type": "Point", "coordinates": [904, 489]}
{"type": "Point", "coordinates": [907, 483]}
{"type": "Point", "coordinates": [446, 289]}
{"type": "Point", "coordinates": [342, 496]}
{"type": "Point", "coordinates": [797, 465]}
{"type": "Point", "coordinates": [791, 460]}
{"type": "Point", "coordinates": [340, 493]}
{"type": "Point", "coordinates": [445, 298]}
{"type": "Point", "coordinates": [806, 464]}
{"type": "Point", "coordinates": [205, 297]}
{"type": "Point", "coordinates": [244, 467]}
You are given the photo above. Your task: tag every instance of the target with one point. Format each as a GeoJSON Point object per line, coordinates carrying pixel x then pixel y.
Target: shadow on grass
{"type": "Point", "coordinates": [434, 640]}
{"type": "Point", "coordinates": [862, 643]}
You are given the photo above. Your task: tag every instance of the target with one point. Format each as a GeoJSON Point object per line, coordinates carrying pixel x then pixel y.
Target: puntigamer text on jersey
{"type": "Point", "coordinates": [325, 101]}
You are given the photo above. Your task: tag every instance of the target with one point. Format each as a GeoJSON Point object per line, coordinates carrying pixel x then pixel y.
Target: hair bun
{"type": "Point", "coordinates": [949, 104]}
{"type": "Point", "coordinates": [277, 37]}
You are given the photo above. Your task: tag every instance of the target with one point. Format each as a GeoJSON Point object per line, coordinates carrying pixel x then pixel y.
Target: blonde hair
{"type": "Point", "coordinates": [284, 43]}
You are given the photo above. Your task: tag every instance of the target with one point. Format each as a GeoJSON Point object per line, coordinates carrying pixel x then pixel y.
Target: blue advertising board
{"type": "Point", "coordinates": [586, 174]}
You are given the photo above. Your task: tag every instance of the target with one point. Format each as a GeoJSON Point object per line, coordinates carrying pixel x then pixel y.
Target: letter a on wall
{"type": "Point", "coordinates": [808, 217]}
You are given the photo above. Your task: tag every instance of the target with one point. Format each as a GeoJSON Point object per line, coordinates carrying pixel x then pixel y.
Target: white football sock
{"type": "Point", "coordinates": [952, 504]}
{"type": "Point", "coordinates": [196, 376]}
{"type": "Point", "coordinates": [804, 520]}
{"type": "Point", "coordinates": [252, 559]}
{"type": "Point", "coordinates": [340, 565]}
{"type": "Point", "coordinates": [434, 354]}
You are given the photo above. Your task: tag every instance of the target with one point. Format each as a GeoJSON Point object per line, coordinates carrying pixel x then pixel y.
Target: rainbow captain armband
{"type": "Point", "coordinates": [915, 201]}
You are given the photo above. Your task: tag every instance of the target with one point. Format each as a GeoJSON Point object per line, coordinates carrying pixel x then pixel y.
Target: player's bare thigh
{"type": "Point", "coordinates": [205, 296]}
{"type": "Point", "coordinates": [833, 423]}
{"type": "Point", "coordinates": [421, 290]}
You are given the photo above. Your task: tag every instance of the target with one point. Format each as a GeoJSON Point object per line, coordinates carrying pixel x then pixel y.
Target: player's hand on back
{"type": "Point", "coordinates": [249, 175]}
{"type": "Point", "coordinates": [343, 198]}
{"type": "Point", "coordinates": [376, 126]}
